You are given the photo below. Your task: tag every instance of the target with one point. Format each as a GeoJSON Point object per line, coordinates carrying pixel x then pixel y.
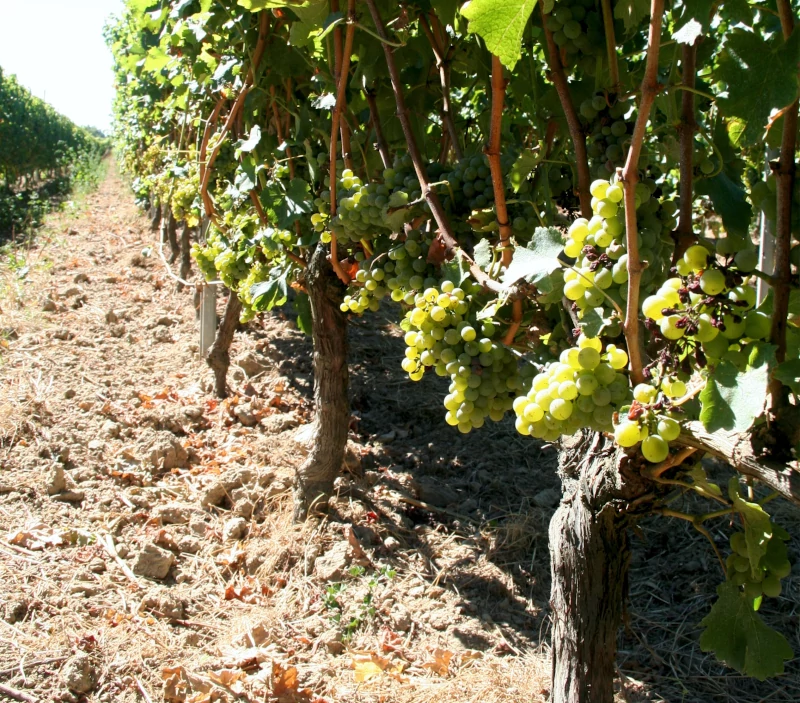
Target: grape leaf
{"type": "Point", "coordinates": [482, 254]}
{"type": "Point", "coordinates": [761, 75]}
{"type": "Point", "coordinates": [257, 5]}
{"type": "Point", "coordinates": [592, 322]}
{"type": "Point", "coordinates": [730, 202]}
{"type": "Point", "coordinates": [456, 271]}
{"type": "Point", "coordinates": [689, 32]}
{"type": "Point", "coordinates": [267, 294]}
{"type": "Point", "coordinates": [302, 306]}
{"type": "Point", "coordinates": [522, 168]}
{"type": "Point", "coordinates": [757, 526]}
{"type": "Point", "coordinates": [788, 373]}
{"type": "Point", "coordinates": [538, 260]}
{"type": "Point", "coordinates": [290, 205]}
{"type": "Point", "coordinates": [732, 400]}
{"type": "Point", "coordinates": [632, 13]}
{"type": "Point", "coordinates": [500, 23]}
{"type": "Point", "coordinates": [446, 10]}
{"type": "Point", "coordinates": [739, 637]}
{"type": "Point", "coordinates": [251, 142]}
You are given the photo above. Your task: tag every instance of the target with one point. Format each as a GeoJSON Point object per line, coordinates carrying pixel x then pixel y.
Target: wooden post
{"type": "Point", "coordinates": [208, 318]}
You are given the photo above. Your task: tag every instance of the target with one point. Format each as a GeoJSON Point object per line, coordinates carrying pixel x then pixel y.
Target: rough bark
{"type": "Point", "coordinates": [589, 557]}
{"type": "Point", "coordinates": [171, 227]}
{"type": "Point", "coordinates": [154, 214]}
{"type": "Point", "coordinates": [218, 357]}
{"type": "Point", "coordinates": [314, 479]}
{"type": "Point", "coordinates": [186, 253]}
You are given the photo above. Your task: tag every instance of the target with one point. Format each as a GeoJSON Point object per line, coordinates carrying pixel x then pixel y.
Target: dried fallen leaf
{"type": "Point", "coordinates": [367, 665]}
{"type": "Point", "coordinates": [284, 680]}
{"type": "Point", "coordinates": [440, 663]}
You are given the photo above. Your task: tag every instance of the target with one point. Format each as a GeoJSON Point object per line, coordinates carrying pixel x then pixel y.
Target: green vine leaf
{"type": "Point", "coordinates": [632, 13]}
{"type": "Point", "coordinates": [761, 75]}
{"type": "Point", "coordinates": [738, 636]}
{"type": "Point", "coordinates": [258, 5]}
{"type": "Point", "coordinates": [538, 260]}
{"type": "Point", "coordinates": [500, 23]}
{"type": "Point", "coordinates": [732, 400]}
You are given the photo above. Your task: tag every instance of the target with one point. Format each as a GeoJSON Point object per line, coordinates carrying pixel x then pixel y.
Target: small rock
{"type": "Point", "coordinates": [352, 458]}
{"type": "Point", "coordinates": [57, 481]}
{"type": "Point", "coordinates": [110, 429]}
{"type": "Point", "coordinates": [63, 334]}
{"type": "Point", "coordinates": [69, 393]}
{"type": "Point", "coordinates": [166, 321]}
{"type": "Point", "coordinates": [79, 674]}
{"type": "Point", "coordinates": [97, 565]}
{"type": "Point", "coordinates": [193, 412]}
{"type": "Point", "coordinates": [391, 543]}
{"type": "Point", "coordinates": [118, 330]}
{"type": "Point", "coordinates": [15, 611]}
{"type": "Point", "coordinates": [49, 305]}
{"type": "Point", "coordinates": [153, 562]}
{"type": "Point", "coordinates": [548, 498]}
{"type": "Point", "coordinates": [332, 639]}
{"type": "Point", "coordinates": [245, 416]}
{"type": "Point", "coordinates": [250, 364]}
{"type": "Point", "coordinates": [80, 278]}
{"type": "Point", "coordinates": [165, 603]}
{"type": "Point", "coordinates": [235, 528]}
{"type": "Point", "coordinates": [331, 566]}
{"type": "Point", "coordinates": [123, 550]}
{"type": "Point", "coordinates": [111, 317]}
{"type": "Point", "coordinates": [244, 508]}
{"type": "Point", "coordinates": [401, 619]}
{"type": "Point", "coordinates": [84, 588]}
{"type": "Point", "coordinates": [96, 445]}
{"type": "Point", "coordinates": [165, 452]}
{"type": "Point", "coordinates": [70, 496]}
{"type": "Point", "coordinates": [162, 334]}
{"type": "Point", "coordinates": [175, 513]}
{"type": "Point", "coordinates": [189, 544]}
{"type": "Point", "coordinates": [431, 491]}
{"type": "Point", "coordinates": [70, 292]}
{"type": "Point", "coordinates": [468, 505]}
{"type": "Point", "coordinates": [86, 405]}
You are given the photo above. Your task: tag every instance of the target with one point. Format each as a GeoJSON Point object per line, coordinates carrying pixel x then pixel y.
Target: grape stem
{"type": "Point", "coordinates": [432, 198]}
{"type": "Point", "coordinates": [492, 152]}
{"type": "Point", "coordinates": [576, 133]}
{"type": "Point", "coordinates": [629, 178]}
{"type": "Point", "coordinates": [611, 44]}
{"type": "Point", "coordinates": [341, 72]}
{"type": "Point", "coordinates": [684, 235]}
{"type": "Point", "coordinates": [697, 523]}
{"type": "Point", "coordinates": [383, 148]}
{"type": "Point", "coordinates": [785, 174]}
{"type": "Point", "coordinates": [441, 52]}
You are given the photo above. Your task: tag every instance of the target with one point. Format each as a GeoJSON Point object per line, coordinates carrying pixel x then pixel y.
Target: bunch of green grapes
{"type": "Point", "coordinates": [577, 28]}
{"type": "Point", "coordinates": [649, 419]}
{"type": "Point", "coordinates": [709, 305]}
{"type": "Point", "coordinates": [584, 388]}
{"type": "Point", "coordinates": [764, 579]}
{"type": "Point", "coordinates": [599, 276]}
{"type": "Point", "coordinates": [367, 210]}
{"type": "Point", "coordinates": [469, 183]}
{"type": "Point", "coordinates": [608, 133]}
{"type": "Point", "coordinates": [204, 255]}
{"type": "Point", "coordinates": [483, 373]}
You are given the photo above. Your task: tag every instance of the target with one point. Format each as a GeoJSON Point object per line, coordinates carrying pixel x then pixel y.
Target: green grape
{"type": "Point", "coordinates": [771, 586]}
{"type": "Point", "coordinates": [655, 449]}
{"type": "Point", "coordinates": [627, 434]}
{"type": "Point", "coordinates": [712, 282]}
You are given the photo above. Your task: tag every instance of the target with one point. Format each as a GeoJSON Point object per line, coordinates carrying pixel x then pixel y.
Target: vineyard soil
{"type": "Point", "coordinates": [112, 440]}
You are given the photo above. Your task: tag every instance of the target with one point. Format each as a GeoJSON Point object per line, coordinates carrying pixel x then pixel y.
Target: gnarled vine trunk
{"type": "Point", "coordinates": [314, 479]}
{"type": "Point", "coordinates": [154, 213]}
{"type": "Point", "coordinates": [186, 253]}
{"type": "Point", "coordinates": [218, 357]}
{"type": "Point", "coordinates": [169, 224]}
{"type": "Point", "coordinates": [589, 558]}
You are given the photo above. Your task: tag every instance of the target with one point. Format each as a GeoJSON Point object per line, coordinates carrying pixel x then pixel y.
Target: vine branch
{"type": "Point", "coordinates": [430, 195]}
{"type": "Point", "coordinates": [383, 148]}
{"type": "Point", "coordinates": [785, 175]}
{"type": "Point", "coordinates": [576, 133]}
{"type": "Point", "coordinates": [341, 71]}
{"type": "Point", "coordinates": [443, 64]}
{"type": "Point", "coordinates": [611, 44]}
{"type": "Point", "coordinates": [684, 235]}
{"type": "Point", "coordinates": [629, 178]}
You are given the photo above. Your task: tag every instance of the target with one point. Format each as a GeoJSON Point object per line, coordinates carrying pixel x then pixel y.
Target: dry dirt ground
{"type": "Point", "coordinates": [146, 547]}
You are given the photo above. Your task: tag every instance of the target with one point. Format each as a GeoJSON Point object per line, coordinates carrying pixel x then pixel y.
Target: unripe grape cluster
{"type": "Point", "coordinates": [584, 388]}
{"type": "Point", "coordinates": [608, 132]}
{"type": "Point", "coordinates": [440, 334]}
{"type": "Point", "coordinates": [708, 305]}
{"type": "Point", "coordinates": [577, 29]}
{"type": "Point", "coordinates": [765, 578]}
{"type": "Point", "coordinates": [600, 275]}
{"type": "Point", "coordinates": [363, 210]}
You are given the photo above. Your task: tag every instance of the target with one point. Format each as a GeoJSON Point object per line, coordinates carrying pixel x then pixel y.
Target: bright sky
{"type": "Point", "coordinates": [56, 50]}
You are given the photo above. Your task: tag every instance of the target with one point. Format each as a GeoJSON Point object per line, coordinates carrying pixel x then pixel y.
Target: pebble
{"type": "Point", "coordinates": [79, 674]}
{"type": "Point", "coordinates": [235, 528]}
{"type": "Point", "coordinates": [153, 562]}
